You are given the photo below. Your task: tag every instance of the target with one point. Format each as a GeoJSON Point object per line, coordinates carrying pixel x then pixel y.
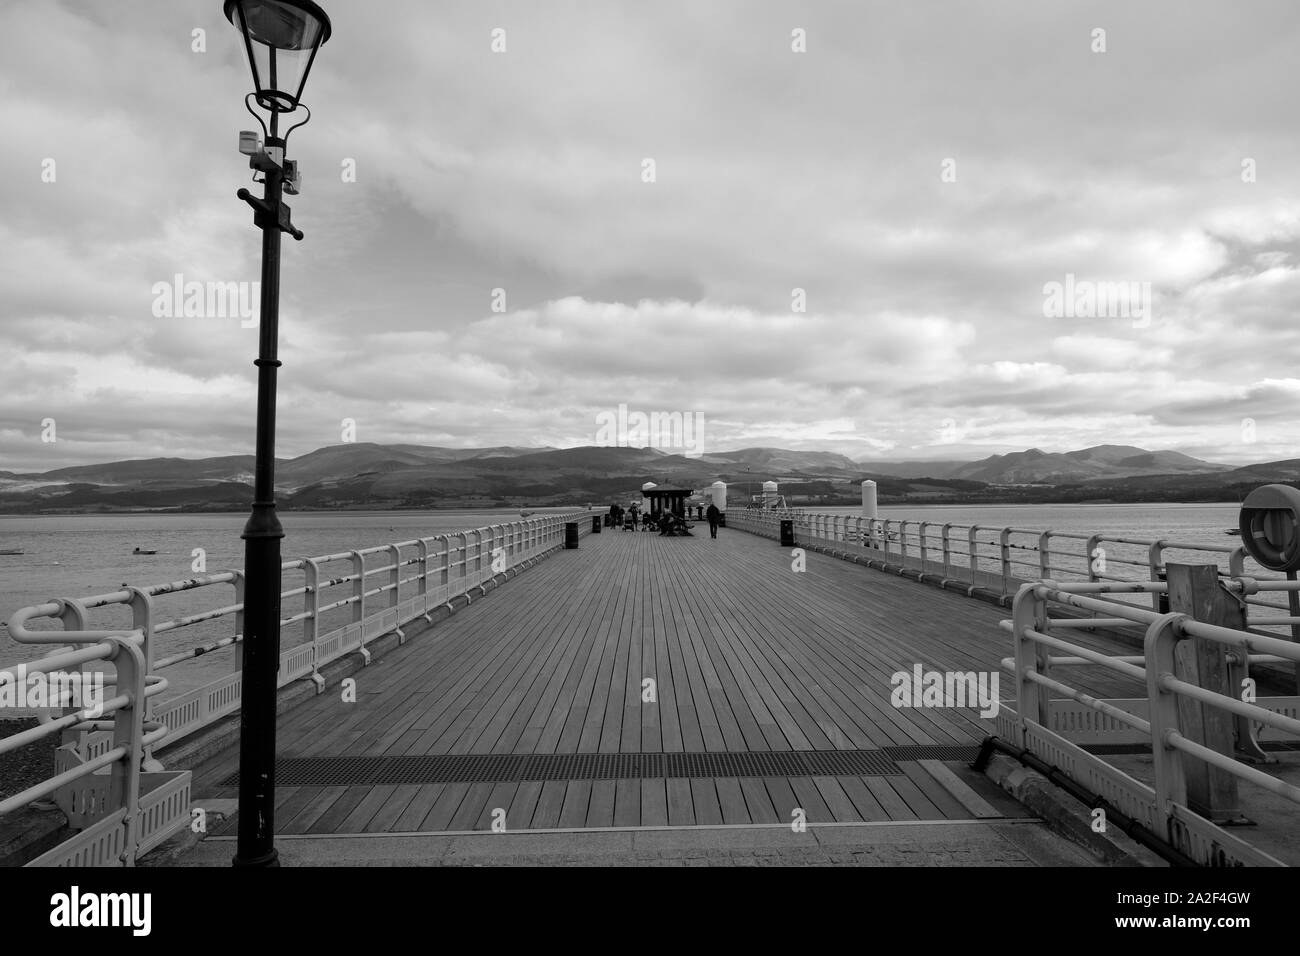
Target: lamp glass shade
{"type": "Point", "coordinates": [281, 38]}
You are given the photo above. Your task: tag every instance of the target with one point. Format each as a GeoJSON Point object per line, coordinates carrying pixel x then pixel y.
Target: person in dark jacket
{"type": "Point", "coordinates": [714, 516]}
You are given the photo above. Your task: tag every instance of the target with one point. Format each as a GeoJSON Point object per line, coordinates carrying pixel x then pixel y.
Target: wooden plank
{"type": "Point", "coordinates": [810, 800]}
{"type": "Point", "coordinates": [547, 814]}
{"type": "Point", "coordinates": [444, 808]}
{"type": "Point", "coordinates": [338, 811]}
{"type": "Point", "coordinates": [943, 800]}
{"type": "Point", "coordinates": [499, 799]}
{"type": "Point", "coordinates": [783, 798]}
{"type": "Point", "coordinates": [600, 811]}
{"type": "Point", "coordinates": [577, 798]}
{"type": "Point", "coordinates": [704, 802]}
{"type": "Point", "coordinates": [894, 805]}
{"type": "Point", "coordinates": [322, 798]}
{"type": "Point", "coordinates": [680, 811]}
{"type": "Point", "coordinates": [975, 805]}
{"type": "Point", "coordinates": [627, 803]}
{"type": "Point", "coordinates": [758, 802]}
{"type": "Point", "coordinates": [916, 801]}
{"type": "Point", "coordinates": [359, 819]}
{"type": "Point", "coordinates": [385, 820]}
{"type": "Point", "coordinates": [731, 799]}
{"type": "Point", "coordinates": [864, 801]}
{"type": "Point", "coordinates": [519, 816]}
{"type": "Point", "coordinates": [412, 816]}
{"type": "Point", "coordinates": [473, 806]}
{"type": "Point", "coordinates": [654, 803]}
{"type": "Point", "coordinates": [837, 800]}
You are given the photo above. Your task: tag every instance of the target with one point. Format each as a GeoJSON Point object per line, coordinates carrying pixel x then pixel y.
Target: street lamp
{"type": "Point", "coordinates": [281, 38]}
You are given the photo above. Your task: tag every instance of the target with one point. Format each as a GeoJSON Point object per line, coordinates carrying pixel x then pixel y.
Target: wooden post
{"type": "Point", "coordinates": [1194, 590]}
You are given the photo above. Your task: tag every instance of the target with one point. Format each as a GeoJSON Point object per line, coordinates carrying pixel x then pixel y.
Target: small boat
{"type": "Point", "coordinates": [11, 551]}
{"type": "Point", "coordinates": [1236, 531]}
{"type": "Point", "coordinates": [524, 514]}
{"type": "Point", "coordinates": [145, 551]}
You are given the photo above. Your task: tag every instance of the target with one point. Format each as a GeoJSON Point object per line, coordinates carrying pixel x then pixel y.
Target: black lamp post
{"type": "Point", "coordinates": [281, 38]}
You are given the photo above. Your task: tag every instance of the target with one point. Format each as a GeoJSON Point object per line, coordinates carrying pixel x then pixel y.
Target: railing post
{"type": "Point", "coordinates": [1194, 591]}
{"type": "Point", "coordinates": [422, 588]}
{"type": "Point", "coordinates": [142, 618]}
{"type": "Point", "coordinates": [1029, 612]}
{"type": "Point", "coordinates": [498, 544]}
{"type": "Point", "coordinates": [395, 575]}
{"type": "Point", "coordinates": [358, 586]}
{"type": "Point", "coordinates": [1091, 546]}
{"type": "Point", "coordinates": [444, 572]}
{"type": "Point", "coordinates": [311, 626]}
{"type": "Point", "coordinates": [238, 585]}
{"type": "Point", "coordinates": [1170, 782]}
{"type": "Point", "coordinates": [72, 614]}
{"type": "Point", "coordinates": [921, 542]}
{"type": "Point", "coordinates": [128, 733]}
{"type": "Point", "coordinates": [973, 540]}
{"type": "Point", "coordinates": [946, 543]}
{"type": "Point", "coordinates": [1044, 554]}
{"type": "Point", "coordinates": [1004, 541]}
{"type": "Point", "coordinates": [1154, 556]}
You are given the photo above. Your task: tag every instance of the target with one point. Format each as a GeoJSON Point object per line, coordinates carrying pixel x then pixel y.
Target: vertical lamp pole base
{"type": "Point", "coordinates": [262, 535]}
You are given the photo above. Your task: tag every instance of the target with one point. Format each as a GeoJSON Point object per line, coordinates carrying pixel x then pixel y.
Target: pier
{"type": "Point", "coordinates": [505, 682]}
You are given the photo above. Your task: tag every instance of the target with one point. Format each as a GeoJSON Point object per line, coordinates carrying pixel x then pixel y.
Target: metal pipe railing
{"type": "Point", "coordinates": [995, 558]}
{"type": "Point", "coordinates": [131, 649]}
{"type": "Point", "coordinates": [1031, 626]}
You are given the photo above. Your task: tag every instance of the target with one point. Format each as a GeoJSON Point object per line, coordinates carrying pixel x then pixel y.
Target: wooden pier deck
{"type": "Point", "coordinates": [747, 657]}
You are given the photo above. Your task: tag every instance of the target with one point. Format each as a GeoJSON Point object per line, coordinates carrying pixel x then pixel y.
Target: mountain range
{"type": "Point", "coordinates": [373, 475]}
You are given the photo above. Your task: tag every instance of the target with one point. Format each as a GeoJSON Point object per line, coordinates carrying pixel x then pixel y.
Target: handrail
{"type": "Point", "coordinates": [415, 586]}
{"type": "Point", "coordinates": [1038, 716]}
{"type": "Point", "coordinates": [999, 559]}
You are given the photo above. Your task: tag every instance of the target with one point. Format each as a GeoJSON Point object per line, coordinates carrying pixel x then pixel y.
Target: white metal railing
{"type": "Point", "coordinates": [348, 600]}
{"type": "Point", "coordinates": [1055, 720]}
{"type": "Point", "coordinates": [1000, 559]}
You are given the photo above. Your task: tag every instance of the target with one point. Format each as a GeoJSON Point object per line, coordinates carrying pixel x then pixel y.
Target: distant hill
{"type": "Point", "coordinates": [122, 472]}
{"type": "Point", "coordinates": [373, 475]}
{"type": "Point", "coordinates": [1034, 466]}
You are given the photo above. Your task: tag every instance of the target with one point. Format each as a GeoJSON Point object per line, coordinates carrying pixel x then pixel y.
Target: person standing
{"type": "Point", "coordinates": [714, 516]}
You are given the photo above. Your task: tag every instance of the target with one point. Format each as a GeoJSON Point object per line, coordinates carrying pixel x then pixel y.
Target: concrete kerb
{"type": "Point", "coordinates": [1066, 816]}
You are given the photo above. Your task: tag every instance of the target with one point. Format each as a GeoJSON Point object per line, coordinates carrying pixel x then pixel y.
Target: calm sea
{"type": "Point", "coordinates": [82, 555]}
{"type": "Point", "coordinates": [75, 556]}
{"type": "Point", "coordinates": [1195, 522]}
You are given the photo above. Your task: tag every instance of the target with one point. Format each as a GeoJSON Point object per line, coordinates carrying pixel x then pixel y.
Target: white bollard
{"type": "Point", "coordinates": [869, 509]}
{"type": "Point", "coordinates": [719, 492]}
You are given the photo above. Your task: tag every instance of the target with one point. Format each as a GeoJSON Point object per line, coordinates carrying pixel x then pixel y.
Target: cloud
{"type": "Point", "coordinates": [775, 172]}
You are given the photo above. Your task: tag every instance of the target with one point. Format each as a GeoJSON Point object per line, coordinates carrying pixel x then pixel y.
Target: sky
{"type": "Point", "coordinates": [829, 225]}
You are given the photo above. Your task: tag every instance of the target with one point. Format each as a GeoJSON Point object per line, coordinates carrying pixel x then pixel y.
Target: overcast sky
{"type": "Point", "coordinates": [922, 172]}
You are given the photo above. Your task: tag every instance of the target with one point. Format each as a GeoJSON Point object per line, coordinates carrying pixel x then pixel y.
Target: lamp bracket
{"type": "Point", "coordinates": [267, 217]}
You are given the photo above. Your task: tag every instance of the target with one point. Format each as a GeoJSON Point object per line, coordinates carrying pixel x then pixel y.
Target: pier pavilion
{"type": "Point", "coordinates": [672, 500]}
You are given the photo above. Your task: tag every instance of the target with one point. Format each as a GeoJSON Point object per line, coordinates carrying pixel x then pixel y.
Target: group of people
{"type": "Point", "coordinates": [667, 523]}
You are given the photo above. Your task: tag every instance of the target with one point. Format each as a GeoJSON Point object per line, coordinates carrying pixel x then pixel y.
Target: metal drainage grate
{"type": "Point", "coordinates": [933, 752]}
{"type": "Point", "coordinates": [504, 768]}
